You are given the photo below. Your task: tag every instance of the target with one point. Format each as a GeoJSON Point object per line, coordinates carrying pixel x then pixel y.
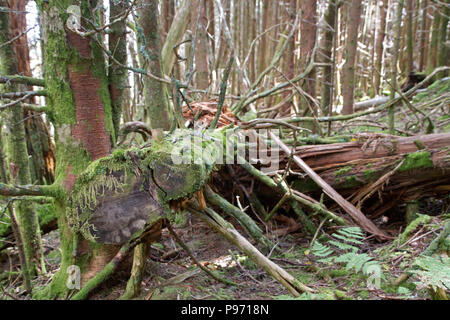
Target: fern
{"type": "Point", "coordinates": [432, 272]}
{"type": "Point", "coordinates": [345, 251]}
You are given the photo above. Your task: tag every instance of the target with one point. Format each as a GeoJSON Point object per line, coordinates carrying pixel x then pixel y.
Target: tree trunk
{"type": "Point", "coordinates": [39, 143]}
{"type": "Point", "coordinates": [79, 100]}
{"type": "Point", "coordinates": [155, 92]}
{"type": "Point", "coordinates": [308, 30]}
{"type": "Point", "coordinates": [434, 41]}
{"type": "Point", "coordinates": [409, 38]}
{"type": "Point", "coordinates": [443, 52]}
{"type": "Point", "coordinates": [201, 46]}
{"type": "Point", "coordinates": [174, 36]}
{"type": "Point", "coordinates": [348, 80]}
{"type": "Point", "coordinates": [394, 70]}
{"type": "Point", "coordinates": [117, 74]}
{"type": "Point", "coordinates": [27, 218]}
{"type": "Point", "coordinates": [327, 54]}
{"type": "Point", "coordinates": [424, 32]}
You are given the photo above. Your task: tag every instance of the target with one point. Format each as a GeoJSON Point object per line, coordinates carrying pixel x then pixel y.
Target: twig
{"type": "Point", "coordinates": [223, 90]}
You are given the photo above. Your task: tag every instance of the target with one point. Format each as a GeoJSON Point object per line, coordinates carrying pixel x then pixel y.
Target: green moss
{"type": "Point", "coordinates": [368, 174]}
{"type": "Point", "coordinates": [46, 213]}
{"type": "Point", "coordinates": [416, 160]}
{"type": "Point", "coordinates": [350, 182]}
{"type": "Point", "coordinates": [342, 171]}
{"type": "Point", "coordinates": [420, 220]}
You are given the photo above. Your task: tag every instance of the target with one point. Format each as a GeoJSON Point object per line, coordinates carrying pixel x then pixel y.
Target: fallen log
{"type": "Point", "coordinates": [355, 213]}
{"type": "Point", "coordinates": [421, 164]}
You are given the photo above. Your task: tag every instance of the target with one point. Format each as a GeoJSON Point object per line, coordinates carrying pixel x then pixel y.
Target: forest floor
{"type": "Point", "coordinates": [172, 275]}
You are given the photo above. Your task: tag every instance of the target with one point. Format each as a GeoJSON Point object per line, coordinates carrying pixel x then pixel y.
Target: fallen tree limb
{"type": "Point", "coordinates": [228, 231]}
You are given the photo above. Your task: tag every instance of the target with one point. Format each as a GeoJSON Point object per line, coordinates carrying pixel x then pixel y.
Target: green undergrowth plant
{"type": "Point", "coordinates": [433, 273]}
{"type": "Point", "coordinates": [344, 248]}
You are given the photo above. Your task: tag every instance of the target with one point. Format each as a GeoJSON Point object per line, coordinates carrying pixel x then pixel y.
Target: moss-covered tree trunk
{"type": "Point", "coordinates": [80, 109]}
{"type": "Point", "coordinates": [327, 52]}
{"type": "Point", "coordinates": [27, 218]}
{"type": "Point", "coordinates": [155, 94]}
{"type": "Point", "coordinates": [118, 48]}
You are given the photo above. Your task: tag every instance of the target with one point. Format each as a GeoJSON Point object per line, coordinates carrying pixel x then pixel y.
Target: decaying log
{"type": "Point", "coordinates": [352, 165]}
{"type": "Point", "coordinates": [354, 212]}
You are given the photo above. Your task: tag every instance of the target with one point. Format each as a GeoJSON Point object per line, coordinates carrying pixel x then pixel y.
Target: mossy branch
{"type": "Point", "coordinates": [247, 222]}
{"type": "Point", "coordinates": [23, 80]}
{"type": "Point", "coordinates": [53, 191]}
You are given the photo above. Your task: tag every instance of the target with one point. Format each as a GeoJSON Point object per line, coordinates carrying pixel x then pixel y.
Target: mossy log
{"type": "Point", "coordinates": [421, 164]}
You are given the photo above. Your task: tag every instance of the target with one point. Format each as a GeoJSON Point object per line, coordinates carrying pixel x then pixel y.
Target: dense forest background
{"type": "Point", "coordinates": [96, 95]}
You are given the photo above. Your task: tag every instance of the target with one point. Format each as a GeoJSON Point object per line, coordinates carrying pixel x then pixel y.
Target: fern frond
{"type": "Point", "coordinates": [321, 250]}
{"type": "Point", "coordinates": [343, 246]}
{"type": "Point", "coordinates": [346, 238]}
{"type": "Point", "coordinates": [433, 271]}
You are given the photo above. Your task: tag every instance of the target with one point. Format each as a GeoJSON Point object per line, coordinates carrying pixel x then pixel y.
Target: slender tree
{"type": "Point", "coordinates": [409, 63]}
{"type": "Point", "coordinates": [201, 47]}
{"type": "Point", "coordinates": [394, 68]}
{"type": "Point", "coordinates": [26, 216]}
{"type": "Point", "coordinates": [434, 41]}
{"type": "Point", "coordinates": [327, 52]}
{"type": "Point", "coordinates": [348, 80]}
{"type": "Point", "coordinates": [118, 48]}
{"type": "Point", "coordinates": [155, 94]}
{"type": "Point", "coordinates": [308, 30]}
{"type": "Point", "coordinates": [423, 33]}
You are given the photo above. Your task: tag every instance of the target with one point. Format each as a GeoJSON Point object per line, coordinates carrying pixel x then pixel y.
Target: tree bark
{"type": "Point", "coordinates": [201, 47]}
{"type": "Point", "coordinates": [327, 53]}
{"type": "Point", "coordinates": [394, 70]}
{"type": "Point", "coordinates": [117, 75]}
{"type": "Point", "coordinates": [155, 92]}
{"type": "Point", "coordinates": [424, 32]}
{"type": "Point", "coordinates": [308, 30]}
{"type": "Point", "coordinates": [174, 36]}
{"type": "Point", "coordinates": [348, 80]}
{"type": "Point", "coordinates": [434, 41]}
{"type": "Point", "coordinates": [27, 218]}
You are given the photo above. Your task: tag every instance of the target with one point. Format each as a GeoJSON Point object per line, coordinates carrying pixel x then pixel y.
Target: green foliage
{"type": "Point", "coordinates": [344, 249]}
{"type": "Point", "coordinates": [432, 272]}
